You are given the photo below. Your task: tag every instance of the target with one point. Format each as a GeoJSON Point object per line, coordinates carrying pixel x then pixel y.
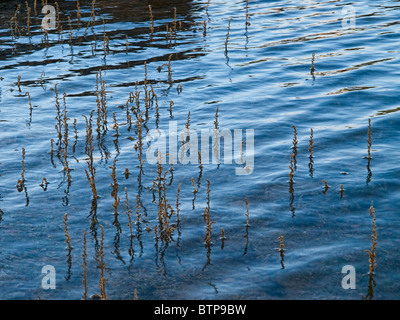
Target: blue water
{"type": "Point", "coordinates": [260, 78]}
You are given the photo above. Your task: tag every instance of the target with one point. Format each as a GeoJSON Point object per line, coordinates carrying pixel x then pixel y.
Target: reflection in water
{"type": "Point", "coordinates": [372, 256]}
{"type": "Point", "coordinates": [97, 54]}
{"type": "Point", "coordinates": [291, 184]}
{"type": "Point", "coordinates": [310, 149]}
{"type": "Point", "coordinates": [294, 148]}
{"type": "Point", "coordinates": [69, 247]}
{"type": "Point", "coordinates": [312, 66]}
{"type": "Point", "coordinates": [281, 251]}
{"type": "Point", "coordinates": [369, 158]}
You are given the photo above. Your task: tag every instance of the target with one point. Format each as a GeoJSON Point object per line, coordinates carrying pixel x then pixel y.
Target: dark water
{"type": "Point", "coordinates": [261, 77]}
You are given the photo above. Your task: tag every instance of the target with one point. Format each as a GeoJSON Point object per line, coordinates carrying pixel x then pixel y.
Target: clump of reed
{"type": "Point", "coordinates": [21, 182]}
{"type": "Point", "coordinates": [374, 243]}
{"type": "Point", "coordinates": [341, 191]}
{"type": "Point", "coordinates": [163, 205]}
{"type": "Point", "coordinates": [179, 88]}
{"type": "Point", "coordinates": [19, 83]}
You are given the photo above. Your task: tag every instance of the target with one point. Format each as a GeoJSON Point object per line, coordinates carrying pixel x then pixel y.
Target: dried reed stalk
{"type": "Point", "coordinates": [69, 247]}
{"type": "Point", "coordinates": [28, 19]}
{"type": "Point", "coordinates": [151, 22]}
{"type": "Point", "coordinates": [100, 260]}
{"type": "Point", "coordinates": [374, 243]}
{"type": "Point", "coordinates": [78, 12]}
{"type": "Point", "coordinates": [227, 35]}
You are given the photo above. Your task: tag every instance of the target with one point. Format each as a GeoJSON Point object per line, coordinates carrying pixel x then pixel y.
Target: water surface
{"type": "Point", "coordinates": [259, 78]}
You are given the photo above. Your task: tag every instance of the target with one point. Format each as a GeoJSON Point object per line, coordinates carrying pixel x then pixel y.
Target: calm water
{"type": "Point", "coordinates": [259, 78]}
